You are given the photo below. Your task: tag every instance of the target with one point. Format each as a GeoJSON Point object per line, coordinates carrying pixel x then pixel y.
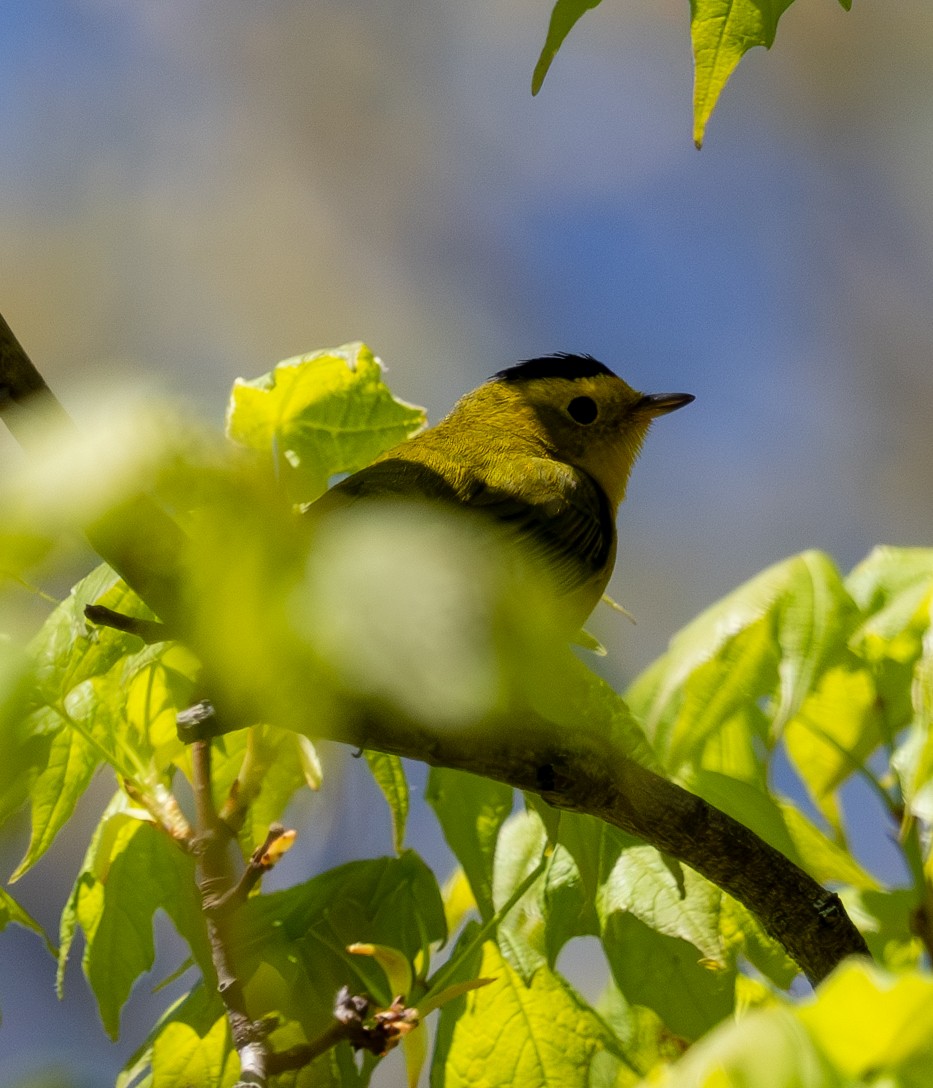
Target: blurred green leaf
{"type": "Point", "coordinates": [471, 810]}
{"type": "Point", "coordinates": [564, 16]}
{"type": "Point", "coordinates": [131, 869]}
{"type": "Point", "coordinates": [869, 1022]}
{"type": "Point", "coordinates": [767, 1049]}
{"type": "Point", "coordinates": [320, 414]}
{"type": "Point", "coordinates": [892, 587]}
{"type": "Point", "coordinates": [389, 775]}
{"type": "Point", "coordinates": [509, 1033]}
{"type": "Point", "coordinates": [820, 856]}
{"type": "Point", "coordinates": [886, 920]}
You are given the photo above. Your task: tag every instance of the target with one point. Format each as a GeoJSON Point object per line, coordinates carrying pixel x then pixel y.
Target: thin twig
{"type": "Point", "coordinates": [264, 858]}
{"type": "Point", "coordinates": [217, 878]}
{"type": "Point", "coordinates": [150, 631]}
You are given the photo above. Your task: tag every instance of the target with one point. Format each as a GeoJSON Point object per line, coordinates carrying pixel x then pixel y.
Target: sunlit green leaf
{"type": "Point", "coordinates": [13, 913]}
{"type": "Point", "coordinates": [190, 1039]}
{"type": "Point", "coordinates": [471, 810]}
{"type": "Point", "coordinates": [552, 911]}
{"type": "Point", "coordinates": [100, 695]}
{"type": "Point", "coordinates": [130, 870]}
{"type": "Point", "coordinates": [679, 903]}
{"type": "Point", "coordinates": [389, 774]}
{"type": "Point", "coordinates": [820, 856]}
{"type": "Point", "coordinates": [892, 587]}
{"type": "Point", "coordinates": [509, 1033]}
{"type": "Point", "coordinates": [320, 414]}
{"type": "Point", "coordinates": [835, 731]}
{"type": "Point", "coordinates": [564, 16]}
{"type": "Point", "coordinates": [261, 768]}
{"type": "Point", "coordinates": [722, 32]}
{"type": "Point", "coordinates": [770, 638]}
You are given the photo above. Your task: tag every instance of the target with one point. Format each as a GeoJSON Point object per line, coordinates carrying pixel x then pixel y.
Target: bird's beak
{"type": "Point", "coordinates": [659, 404]}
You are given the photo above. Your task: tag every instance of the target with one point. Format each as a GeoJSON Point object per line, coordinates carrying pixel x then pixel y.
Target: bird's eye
{"type": "Point", "coordinates": [582, 410]}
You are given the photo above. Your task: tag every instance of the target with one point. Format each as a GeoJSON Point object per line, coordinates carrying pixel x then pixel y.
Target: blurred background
{"type": "Point", "coordinates": [191, 192]}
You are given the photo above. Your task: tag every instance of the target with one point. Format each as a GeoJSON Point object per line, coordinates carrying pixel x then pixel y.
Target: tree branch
{"type": "Point", "coordinates": [216, 883]}
{"type": "Point", "coordinates": [582, 771]}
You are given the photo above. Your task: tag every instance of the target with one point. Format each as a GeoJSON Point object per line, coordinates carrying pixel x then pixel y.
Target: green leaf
{"type": "Point", "coordinates": [913, 760]}
{"type": "Point", "coordinates": [564, 16]}
{"type": "Point", "coordinates": [320, 414]}
{"type": "Point", "coordinates": [11, 913]}
{"type": "Point", "coordinates": [190, 1045]}
{"type": "Point", "coordinates": [23, 754]}
{"type": "Point", "coordinates": [130, 870]}
{"type": "Point", "coordinates": [661, 928]}
{"type": "Point", "coordinates": [820, 856]}
{"type": "Point", "coordinates": [771, 637]}
{"type": "Point", "coordinates": [263, 766]}
{"type": "Point", "coordinates": [892, 588]}
{"type": "Point", "coordinates": [552, 911]}
{"type": "Point", "coordinates": [668, 975]}
{"type": "Point", "coordinates": [292, 945]}
{"type": "Point", "coordinates": [886, 920]}
{"type": "Point", "coordinates": [722, 32]}
{"type": "Point", "coordinates": [100, 696]}
{"type": "Point", "coordinates": [867, 1021]}
{"type": "Point", "coordinates": [72, 760]}
{"type": "Point", "coordinates": [836, 729]}
{"type": "Point", "coordinates": [471, 810]}
{"type": "Point", "coordinates": [509, 1033]}
{"type": "Point", "coordinates": [768, 1047]}
{"type": "Point", "coordinates": [389, 775]}
{"type": "Point", "coordinates": [678, 902]}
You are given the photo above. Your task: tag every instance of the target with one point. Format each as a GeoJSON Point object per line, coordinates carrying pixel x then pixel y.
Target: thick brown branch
{"type": "Point", "coordinates": [585, 773]}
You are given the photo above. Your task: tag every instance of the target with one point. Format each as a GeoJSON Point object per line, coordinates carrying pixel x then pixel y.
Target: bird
{"type": "Point", "coordinates": [543, 449]}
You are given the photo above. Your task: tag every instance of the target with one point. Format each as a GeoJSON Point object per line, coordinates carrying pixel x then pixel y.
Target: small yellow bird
{"type": "Point", "coordinates": [545, 449]}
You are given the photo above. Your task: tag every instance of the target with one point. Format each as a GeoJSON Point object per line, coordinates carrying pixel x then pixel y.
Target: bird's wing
{"type": "Point", "coordinates": [567, 521]}
{"type": "Point", "coordinates": [559, 513]}
{"type": "Point", "coordinates": [393, 477]}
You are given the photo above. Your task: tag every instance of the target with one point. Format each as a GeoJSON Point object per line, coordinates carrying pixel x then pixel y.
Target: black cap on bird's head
{"type": "Point", "coordinates": [562, 364]}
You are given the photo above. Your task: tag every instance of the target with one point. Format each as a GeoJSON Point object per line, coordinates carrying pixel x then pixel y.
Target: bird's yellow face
{"type": "Point", "coordinates": [596, 421]}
